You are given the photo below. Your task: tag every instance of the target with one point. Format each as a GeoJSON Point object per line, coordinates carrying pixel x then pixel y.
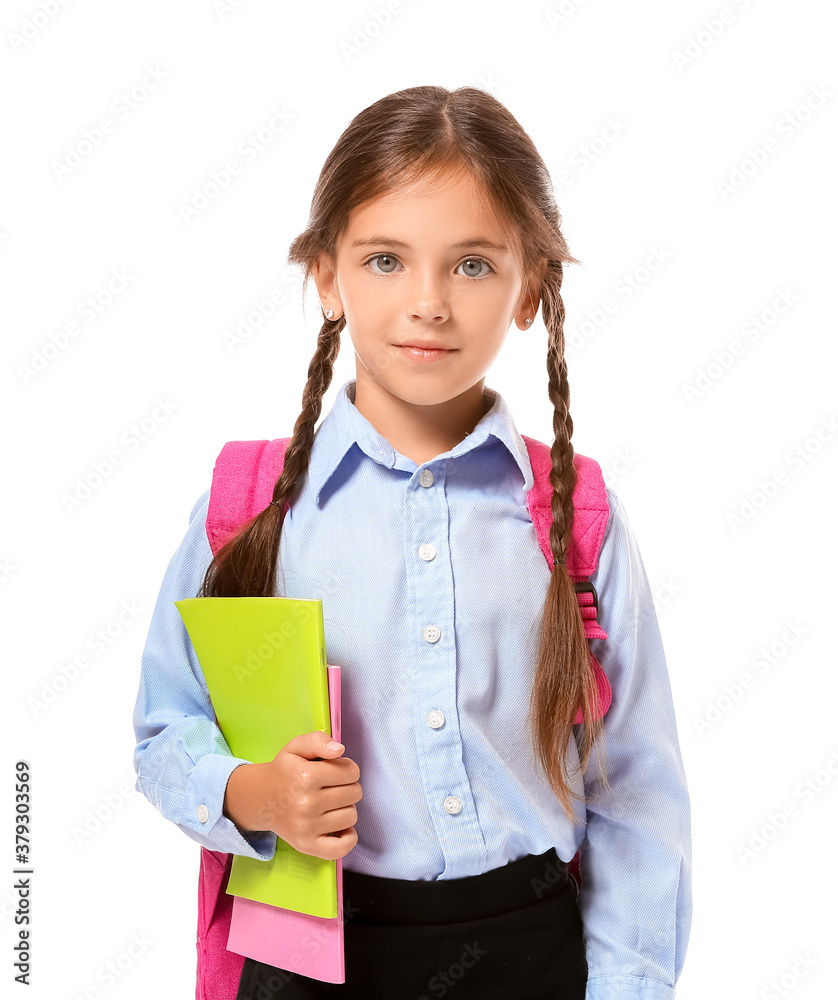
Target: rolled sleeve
{"type": "Point", "coordinates": [627, 988]}
{"type": "Point", "coordinates": [636, 897]}
{"type": "Point", "coordinates": [181, 759]}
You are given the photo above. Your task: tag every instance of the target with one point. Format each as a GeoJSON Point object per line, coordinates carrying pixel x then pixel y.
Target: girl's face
{"type": "Point", "coordinates": [427, 264]}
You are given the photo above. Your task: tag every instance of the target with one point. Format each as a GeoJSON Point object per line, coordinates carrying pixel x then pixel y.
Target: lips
{"type": "Point", "coordinates": [422, 354]}
{"type": "Point", "coordinates": [432, 345]}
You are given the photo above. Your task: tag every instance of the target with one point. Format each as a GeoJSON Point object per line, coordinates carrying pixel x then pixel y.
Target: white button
{"type": "Point", "coordinates": [426, 478]}
{"type": "Point", "coordinates": [431, 633]}
{"type": "Point", "coordinates": [435, 719]}
{"type": "Point", "coordinates": [203, 813]}
{"type": "Point", "coordinates": [426, 551]}
{"type": "Point", "coordinates": [453, 805]}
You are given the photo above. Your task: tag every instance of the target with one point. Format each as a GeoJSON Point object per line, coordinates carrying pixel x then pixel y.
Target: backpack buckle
{"type": "Point", "coordinates": [587, 588]}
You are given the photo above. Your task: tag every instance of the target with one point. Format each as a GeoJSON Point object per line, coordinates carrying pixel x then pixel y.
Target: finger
{"type": "Point", "coordinates": [339, 771]}
{"type": "Point", "coordinates": [336, 845]}
{"type": "Point", "coordinates": [313, 746]}
{"type": "Point", "coordinates": [339, 797]}
{"type": "Point", "coordinates": [336, 820]}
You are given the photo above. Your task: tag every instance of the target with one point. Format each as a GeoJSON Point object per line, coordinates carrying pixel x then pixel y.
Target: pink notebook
{"type": "Point", "coordinates": [286, 939]}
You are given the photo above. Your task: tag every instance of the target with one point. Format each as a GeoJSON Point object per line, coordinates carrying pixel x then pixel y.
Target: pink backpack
{"type": "Point", "coordinates": [242, 485]}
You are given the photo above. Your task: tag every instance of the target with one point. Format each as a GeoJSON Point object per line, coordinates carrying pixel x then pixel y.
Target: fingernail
{"type": "Point", "coordinates": [334, 746]}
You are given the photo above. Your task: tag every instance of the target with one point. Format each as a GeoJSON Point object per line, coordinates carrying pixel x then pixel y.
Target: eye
{"type": "Point", "coordinates": [472, 262]}
{"type": "Point", "coordinates": [390, 261]}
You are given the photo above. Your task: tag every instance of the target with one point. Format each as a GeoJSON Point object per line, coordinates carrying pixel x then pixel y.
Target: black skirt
{"type": "Point", "coordinates": [513, 932]}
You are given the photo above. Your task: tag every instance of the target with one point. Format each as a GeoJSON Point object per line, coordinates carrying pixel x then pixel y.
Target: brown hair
{"type": "Point", "coordinates": [399, 138]}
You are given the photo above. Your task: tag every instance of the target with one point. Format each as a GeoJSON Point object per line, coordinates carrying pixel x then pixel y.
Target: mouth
{"type": "Point", "coordinates": [423, 352]}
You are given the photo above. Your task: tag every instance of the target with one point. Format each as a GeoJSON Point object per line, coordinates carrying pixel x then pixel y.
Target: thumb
{"type": "Point", "coordinates": [315, 745]}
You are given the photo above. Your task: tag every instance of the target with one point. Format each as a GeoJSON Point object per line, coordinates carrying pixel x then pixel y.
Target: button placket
{"type": "Point", "coordinates": [430, 575]}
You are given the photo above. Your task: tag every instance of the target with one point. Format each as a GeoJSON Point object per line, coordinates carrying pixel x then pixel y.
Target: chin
{"type": "Point", "coordinates": [425, 392]}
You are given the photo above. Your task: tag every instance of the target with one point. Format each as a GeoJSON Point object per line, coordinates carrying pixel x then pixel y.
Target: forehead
{"type": "Point", "coordinates": [454, 205]}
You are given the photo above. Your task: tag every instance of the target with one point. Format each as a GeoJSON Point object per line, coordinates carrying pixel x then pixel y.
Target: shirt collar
{"type": "Point", "coordinates": [344, 426]}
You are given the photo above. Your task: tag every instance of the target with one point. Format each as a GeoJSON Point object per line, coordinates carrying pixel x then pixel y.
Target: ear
{"type": "Point", "coordinates": [323, 273]}
{"type": "Point", "coordinates": [530, 296]}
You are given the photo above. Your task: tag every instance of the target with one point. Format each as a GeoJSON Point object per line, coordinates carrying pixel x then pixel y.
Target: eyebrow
{"type": "Point", "coordinates": [478, 241]}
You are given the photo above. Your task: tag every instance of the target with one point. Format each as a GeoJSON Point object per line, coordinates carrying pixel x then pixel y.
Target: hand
{"type": "Point", "coordinates": [306, 795]}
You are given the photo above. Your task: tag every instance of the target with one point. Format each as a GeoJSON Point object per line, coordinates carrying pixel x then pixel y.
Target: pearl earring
{"type": "Point", "coordinates": [527, 321]}
{"type": "Point", "coordinates": [329, 314]}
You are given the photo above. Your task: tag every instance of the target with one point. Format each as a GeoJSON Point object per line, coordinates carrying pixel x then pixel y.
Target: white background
{"type": "Point", "coordinates": [650, 113]}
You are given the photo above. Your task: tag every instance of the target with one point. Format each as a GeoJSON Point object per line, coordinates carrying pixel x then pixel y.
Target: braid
{"type": "Point", "coordinates": [320, 372]}
{"type": "Point", "coordinates": [563, 474]}
{"type": "Point", "coordinates": [246, 566]}
{"type": "Point", "coordinates": [564, 681]}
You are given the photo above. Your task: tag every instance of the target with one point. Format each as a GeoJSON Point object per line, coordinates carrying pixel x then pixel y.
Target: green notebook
{"type": "Point", "coordinates": [264, 661]}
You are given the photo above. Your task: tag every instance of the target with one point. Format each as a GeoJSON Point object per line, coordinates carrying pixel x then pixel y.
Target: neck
{"type": "Point", "coordinates": [418, 431]}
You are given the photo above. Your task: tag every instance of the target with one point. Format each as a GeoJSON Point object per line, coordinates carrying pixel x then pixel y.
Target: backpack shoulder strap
{"type": "Point", "coordinates": [242, 485]}
{"type": "Point", "coordinates": [590, 519]}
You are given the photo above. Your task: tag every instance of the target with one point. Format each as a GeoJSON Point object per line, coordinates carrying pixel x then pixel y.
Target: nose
{"type": "Point", "coordinates": [428, 299]}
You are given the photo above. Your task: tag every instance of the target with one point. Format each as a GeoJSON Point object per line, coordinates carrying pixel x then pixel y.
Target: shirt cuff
{"type": "Point", "coordinates": [627, 988]}
{"type": "Point", "coordinates": [203, 816]}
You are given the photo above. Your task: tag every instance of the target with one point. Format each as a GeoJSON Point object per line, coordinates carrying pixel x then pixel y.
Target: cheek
{"type": "Point", "coordinates": [495, 305]}
{"type": "Point", "coordinates": [372, 352]}
{"type": "Point", "coordinates": [494, 349]}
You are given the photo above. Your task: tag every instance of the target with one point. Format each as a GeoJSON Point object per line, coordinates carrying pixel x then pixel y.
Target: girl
{"type": "Point", "coordinates": [470, 707]}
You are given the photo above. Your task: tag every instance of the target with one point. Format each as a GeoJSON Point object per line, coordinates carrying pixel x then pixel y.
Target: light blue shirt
{"type": "Point", "coordinates": [433, 583]}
